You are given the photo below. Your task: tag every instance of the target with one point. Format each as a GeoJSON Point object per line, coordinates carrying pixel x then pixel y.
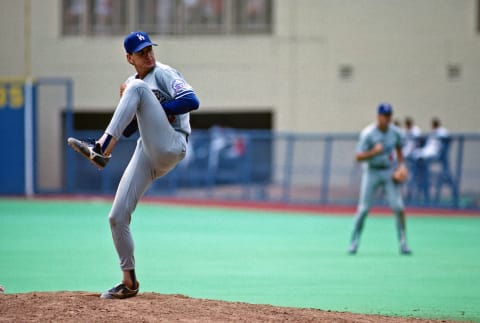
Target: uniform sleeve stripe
{"type": "Point", "coordinates": [182, 94]}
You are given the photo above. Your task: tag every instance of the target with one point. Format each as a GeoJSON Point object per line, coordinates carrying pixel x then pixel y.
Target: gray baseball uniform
{"type": "Point", "coordinates": [377, 172]}
{"type": "Point", "coordinates": [162, 144]}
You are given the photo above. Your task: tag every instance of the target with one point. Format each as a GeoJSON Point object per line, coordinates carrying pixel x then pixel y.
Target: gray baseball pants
{"type": "Point", "coordinates": [372, 179]}
{"type": "Point", "coordinates": [158, 150]}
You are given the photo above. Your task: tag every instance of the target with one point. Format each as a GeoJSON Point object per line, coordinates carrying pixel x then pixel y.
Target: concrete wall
{"type": "Point", "coordinates": [398, 51]}
{"type": "Point", "coordinates": [12, 39]}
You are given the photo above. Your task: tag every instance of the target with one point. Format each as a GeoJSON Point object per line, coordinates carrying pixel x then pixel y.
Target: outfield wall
{"type": "Point", "coordinates": [322, 69]}
{"type": "Point", "coordinates": [276, 167]}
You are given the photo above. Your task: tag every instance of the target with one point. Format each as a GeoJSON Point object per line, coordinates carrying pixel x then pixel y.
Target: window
{"type": "Point", "coordinates": [207, 16]}
{"type": "Point", "coordinates": [167, 17]}
{"type": "Point", "coordinates": [253, 15]}
{"type": "Point", "coordinates": [156, 16]}
{"type": "Point", "coordinates": [180, 17]}
{"type": "Point", "coordinates": [94, 17]}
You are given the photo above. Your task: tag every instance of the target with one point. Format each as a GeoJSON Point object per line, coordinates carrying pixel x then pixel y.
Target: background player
{"type": "Point", "coordinates": [156, 101]}
{"type": "Point", "coordinates": [380, 147]}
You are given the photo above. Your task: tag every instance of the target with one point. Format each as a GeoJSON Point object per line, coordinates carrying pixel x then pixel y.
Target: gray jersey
{"type": "Point", "coordinates": [168, 84]}
{"type": "Point", "coordinates": [390, 139]}
{"type": "Point", "coordinates": [377, 173]}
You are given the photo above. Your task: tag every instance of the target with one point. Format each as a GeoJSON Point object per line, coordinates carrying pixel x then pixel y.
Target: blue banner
{"type": "Point", "coordinates": [12, 133]}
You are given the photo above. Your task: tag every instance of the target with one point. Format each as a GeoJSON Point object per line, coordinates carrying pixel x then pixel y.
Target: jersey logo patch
{"type": "Point", "coordinates": [178, 85]}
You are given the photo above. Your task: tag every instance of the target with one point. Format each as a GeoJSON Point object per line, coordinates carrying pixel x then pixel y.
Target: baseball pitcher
{"type": "Point", "coordinates": [155, 101]}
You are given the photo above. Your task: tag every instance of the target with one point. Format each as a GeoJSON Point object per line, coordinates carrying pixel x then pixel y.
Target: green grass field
{"type": "Point", "coordinates": [276, 258]}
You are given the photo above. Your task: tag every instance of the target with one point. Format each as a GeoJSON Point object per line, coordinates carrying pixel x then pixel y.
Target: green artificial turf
{"type": "Point", "coordinates": [276, 258]}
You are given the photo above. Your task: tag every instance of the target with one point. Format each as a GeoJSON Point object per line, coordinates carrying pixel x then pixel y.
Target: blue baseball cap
{"type": "Point", "coordinates": [137, 41]}
{"type": "Point", "coordinates": [385, 109]}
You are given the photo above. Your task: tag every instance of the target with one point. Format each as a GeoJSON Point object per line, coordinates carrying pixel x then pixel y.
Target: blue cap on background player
{"type": "Point", "coordinates": [137, 41]}
{"type": "Point", "coordinates": [385, 109]}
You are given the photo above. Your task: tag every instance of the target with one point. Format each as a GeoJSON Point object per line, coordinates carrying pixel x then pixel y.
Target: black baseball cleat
{"type": "Point", "coordinates": [90, 150]}
{"type": "Point", "coordinates": [120, 292]}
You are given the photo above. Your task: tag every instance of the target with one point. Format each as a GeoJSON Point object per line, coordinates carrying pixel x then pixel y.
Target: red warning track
{"type": "Point", "coordinates": [345, 210]}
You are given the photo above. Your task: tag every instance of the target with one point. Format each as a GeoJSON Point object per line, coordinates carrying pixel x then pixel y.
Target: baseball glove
{"type": "Point", "coordinates": [400, 174]}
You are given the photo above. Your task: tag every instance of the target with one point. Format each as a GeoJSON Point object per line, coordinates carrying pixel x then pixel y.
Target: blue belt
{"type": "Point", "coordinates": [378, 167]}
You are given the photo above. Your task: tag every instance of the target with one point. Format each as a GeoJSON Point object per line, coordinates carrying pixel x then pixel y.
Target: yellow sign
{"type": "Point", "coordinates": [11, 95]}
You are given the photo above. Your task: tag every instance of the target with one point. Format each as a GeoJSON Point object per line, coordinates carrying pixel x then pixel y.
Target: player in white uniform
{"type": "Point", "coordinates": [156, 101]}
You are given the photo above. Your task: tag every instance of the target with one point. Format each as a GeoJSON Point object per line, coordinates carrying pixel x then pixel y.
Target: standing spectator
{"type": "Point", "coordinates": [421, 158]}
{"type": "Point", "coordinates": [433, 145]}
{"type": "Point", "coordinates": [412, 136]}
{"type": "Point", "coordinates": [378, 144]}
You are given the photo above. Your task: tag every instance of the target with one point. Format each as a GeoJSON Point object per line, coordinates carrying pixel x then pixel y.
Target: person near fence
{"type": "Point", "coordinates": [156, 101]}
{"type": "Point", "coordinates": [380, 149]}
{"type": "Point", "coordinates": [413, 139]}
{"type": "Point", "coordinates": [434, 142]}
{"type": "Point", "coordinates": [422, 157]}
{"type": "Point", "coordinates": [412, 135]}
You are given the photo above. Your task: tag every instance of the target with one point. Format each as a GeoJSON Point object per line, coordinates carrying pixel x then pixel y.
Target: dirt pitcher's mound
{"type": "Point", "coordinates": [151, 307]}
